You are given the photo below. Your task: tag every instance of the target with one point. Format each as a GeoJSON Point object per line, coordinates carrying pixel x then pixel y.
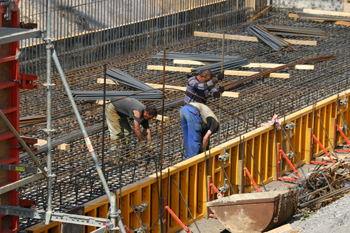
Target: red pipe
{"type": "Point", "coordinates": [177, 219]}
{"type": "Point", "coordinates": [278, 160]}
{"type": "Point", "coordinates": [287, 179]}
{"type": "Point", "coordinates": [324, 150]}
{"type": "Point", "coordinates": [290, 163]}
{"type": "Point", "coordinates": [321, 163]}
{"type": "Point", "coordinates": [342, 134]}
{"type": "Point", "coordinates": [251, 178]}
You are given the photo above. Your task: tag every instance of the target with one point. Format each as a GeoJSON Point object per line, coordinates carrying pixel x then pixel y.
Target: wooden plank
{"type": "Point", "coordinates": [251, 65]}
{"type": "Point", "coordinates": [281, 229]}
{"type": "Point", "coordinates": [159, 118]}
{"type": "Point", "coordinates": [63, 146]}
{"type": "Point", "coordinates": [225, 94]}
{"type": "Point", "coordinates": [321, 21]}
{"type": "Point", "coordinates": [100, 102]}
{"type": "Point", "coordinates": [170, 68]}
{"type": "Point", "coordinates": [108, 81]}
{"type": "Point", "coordinates": [227, 72]}
{"type": "Point", "coordinates": [250, 73]}
{"type": "Point", "coordinates": [250, 38]}
{"type": "Point", "coordinates": [321, 12]}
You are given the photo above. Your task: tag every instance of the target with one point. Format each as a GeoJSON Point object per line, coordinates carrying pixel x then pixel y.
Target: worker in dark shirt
{"type": "Point", "coordinates": [117, 114]}
{"type": "Point", "coordinates": [201, 85]}
{"type": "Point", "coordinates": [198, 124]}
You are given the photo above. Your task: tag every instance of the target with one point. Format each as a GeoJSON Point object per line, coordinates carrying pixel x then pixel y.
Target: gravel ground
{"type": "Point", "coordinates": [332, 218]}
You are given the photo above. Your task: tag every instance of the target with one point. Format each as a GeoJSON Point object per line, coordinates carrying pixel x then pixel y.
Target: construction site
{"type": "Point", "coordinates": [278, 89]}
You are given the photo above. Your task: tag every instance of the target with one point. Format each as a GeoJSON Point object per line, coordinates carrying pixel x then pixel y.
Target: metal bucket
{"type": "Point", "coordinates": [254, 212]}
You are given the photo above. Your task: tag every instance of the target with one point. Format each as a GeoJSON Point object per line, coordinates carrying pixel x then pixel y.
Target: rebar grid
{"type": "Point", "coordinates": [76, 180]}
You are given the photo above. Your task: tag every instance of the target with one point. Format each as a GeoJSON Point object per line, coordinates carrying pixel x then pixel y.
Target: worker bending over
{"type": "Point", "coordinates": [117, 114]}
{"type": "Point", "coordinates": [201, 85]}
{"type": "Point", "coordinates": [198, 123]}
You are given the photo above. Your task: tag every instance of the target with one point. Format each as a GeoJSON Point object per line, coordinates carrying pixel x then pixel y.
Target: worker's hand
{"type": "Point", "coordinates": [221, 89]}
{"type": "Point", "coordinates": [220, 76]}
{"type": "Point", "coordinates": [216, 94]}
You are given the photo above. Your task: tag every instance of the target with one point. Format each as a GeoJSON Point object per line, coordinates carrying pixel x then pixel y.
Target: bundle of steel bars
{"type": "Point", "coordinates": [193, 56]}
{"type": "Point", "coordinates": [98, 95]}
{"type": "Point", "coordinates": [229, 64]}
{"type": "Point", "coordinates": [294, 31]}
{"type": "Point", "coordinates": [275, 42]}
{"type": "Point", "coordinates": [304, 15]}
{"type": "Point", "coordinates": [124, 78]}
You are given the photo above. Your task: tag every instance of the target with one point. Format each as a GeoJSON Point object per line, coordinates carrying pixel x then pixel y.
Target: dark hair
{"type": "Point", "coordinates": [152, 111]}
{"type": "Point", "coordinates": [205, 73]}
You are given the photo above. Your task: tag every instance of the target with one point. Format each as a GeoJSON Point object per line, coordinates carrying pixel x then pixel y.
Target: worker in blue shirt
{"type": "Point", "coordinates": [198, 124]}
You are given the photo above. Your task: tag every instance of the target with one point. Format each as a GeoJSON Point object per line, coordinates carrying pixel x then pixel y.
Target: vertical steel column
{"type": "Point", "coordinates": [86, 136]}
{"type": "Point", "coordinates": [48, 130]}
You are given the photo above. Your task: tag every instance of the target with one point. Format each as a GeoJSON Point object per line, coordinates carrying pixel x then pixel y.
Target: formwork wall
{"type": "Point", "coordinates": [191, 175]}
{"type": "Point", "coordinates": [87, 32]}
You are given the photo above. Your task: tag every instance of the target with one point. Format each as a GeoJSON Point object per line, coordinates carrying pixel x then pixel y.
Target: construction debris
{"type": "Point", "coordinates": [323, 186]}
{"type": "Point", "coordinates": [295, 31]}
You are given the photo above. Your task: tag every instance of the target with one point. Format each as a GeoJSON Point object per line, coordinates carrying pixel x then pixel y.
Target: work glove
{"type": "Point", "coordinates": [217, 93]}
{"type": "Point", "coordinates": [220, 76]}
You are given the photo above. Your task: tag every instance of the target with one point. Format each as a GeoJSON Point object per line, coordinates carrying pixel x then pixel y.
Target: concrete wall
{"type": "Point", "coordinates": [327, 5]}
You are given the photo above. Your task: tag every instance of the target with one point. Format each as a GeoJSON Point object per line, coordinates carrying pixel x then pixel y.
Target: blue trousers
{"type": "Point", "coordinates": [191, 121]}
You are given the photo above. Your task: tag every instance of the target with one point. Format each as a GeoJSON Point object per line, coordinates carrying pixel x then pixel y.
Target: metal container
{"type": "Point", "coordinates": [254, 212]}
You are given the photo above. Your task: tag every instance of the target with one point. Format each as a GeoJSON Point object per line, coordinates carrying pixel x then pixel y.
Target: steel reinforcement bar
{"type": "Point", "coordinates": [191, 174]}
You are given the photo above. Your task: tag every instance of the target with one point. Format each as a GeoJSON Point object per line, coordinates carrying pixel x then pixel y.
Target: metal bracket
{"type": "Point", "coordinates": [48, 130]}
{"type": "Point", "coordinates": [344, 101]}
{"type": "Point", "coordinates": [224, 157]}
{"type": "Point", "coordinates": [28, 81]}
{"type": "Point", "coordinates": [140, 230]}
{"type": "Point", "coordinates": [17, 168]}
{"type": "Point", "coordinates": [10, 6]}
{"type": "Point", "coordinates": [290, 127]}
{"type": "Point", "coordinates": [141, 208]}
{"type": "Point", "coordinates": [224, 188]}
{"type": "Point", "coordinates": [290, 155]}
{"type": "Point", "coordinates": [58, 217]}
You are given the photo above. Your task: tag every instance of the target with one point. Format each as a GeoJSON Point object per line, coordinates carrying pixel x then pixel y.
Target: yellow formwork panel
{"type": "Point", "coordinates": [191, 175]}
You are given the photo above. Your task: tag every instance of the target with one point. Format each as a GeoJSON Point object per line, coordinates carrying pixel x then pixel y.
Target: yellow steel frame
{"type": "Point", "coordinates": [190, 174]}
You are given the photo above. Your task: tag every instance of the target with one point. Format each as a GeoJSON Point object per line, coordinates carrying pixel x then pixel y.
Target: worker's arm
{"type": "Point", "coordinates": [148, 136]}
{"type": "Point", "coordinates": [137, 129]}
{"type": "Point", "coordinates": [194, 83]}
{"type": "Point", "coordinates": [206, 140]}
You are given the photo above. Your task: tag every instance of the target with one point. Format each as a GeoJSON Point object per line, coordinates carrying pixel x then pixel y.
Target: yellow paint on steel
{"type": "Point", "coordinates": [190, 174]}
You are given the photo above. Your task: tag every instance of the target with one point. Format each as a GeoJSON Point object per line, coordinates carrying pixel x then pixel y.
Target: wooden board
{"type": "Point", "coordinates": [250, 73]}
{"type": "Point", "coordinates": [108, 81]}
{"type": "Point", "coordinates": [251, 65]}
{"type": "Point", "coordinates": [100, 102]}
{"type": "Point", "coordinates": [250, 38]}
{"type": "Point", "coordinates": [227, 72]}
{"type": "Point", "coordinates": [281, 229]}
{"type": "Point", "coordinates": [63, 146]}
{"type": "Point", "coordinates": [333, 13]}
{"type": "Point", "coordinates": [159, 118]}
{"type": "Point", "coordinates": [321, 21]}
{"type": "Point", "coordinates": [225, 94]}
{"type": "Point", "coordinates": [170, 68]}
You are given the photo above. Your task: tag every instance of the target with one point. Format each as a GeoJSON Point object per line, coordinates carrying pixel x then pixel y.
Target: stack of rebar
{"type": "Point", "coordinates": [194, 56]}
{"type": "Point", "coordinates": [124, 78]}
{"type": "Point", "coordinates": [295, 31]}
{"type": "Point", "coordinates": [275, 42]}
{"type": "Point", "coordinates": [216, 67]}
{"type": "Point", "coordinates": [304, 15]}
